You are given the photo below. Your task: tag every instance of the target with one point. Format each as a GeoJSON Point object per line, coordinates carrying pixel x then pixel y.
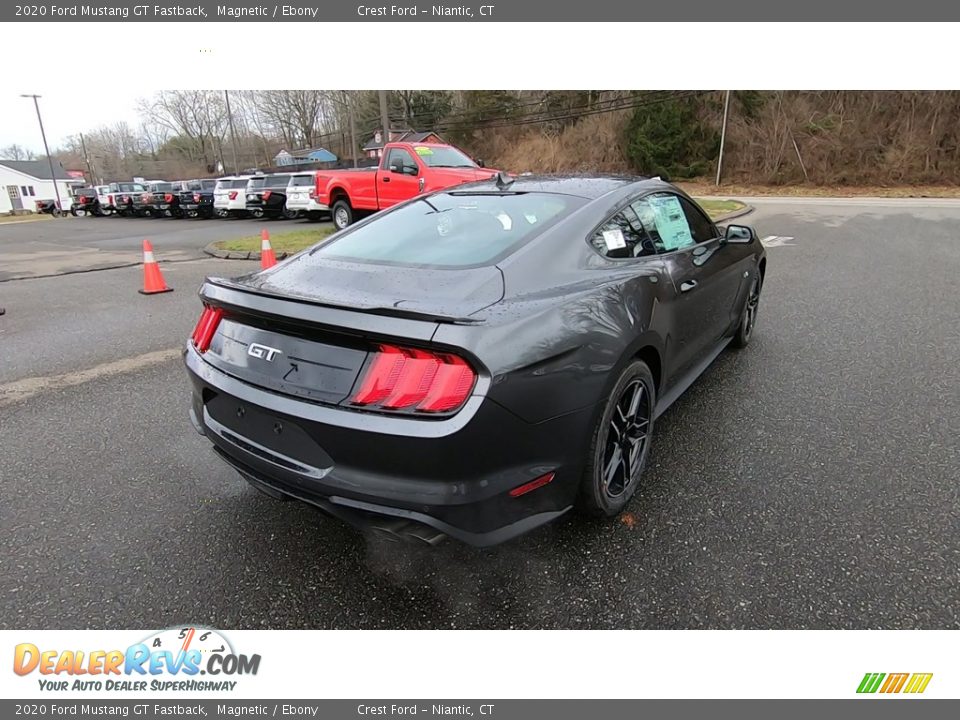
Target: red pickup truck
{"type": "Point", "coordinates": [406, 170]}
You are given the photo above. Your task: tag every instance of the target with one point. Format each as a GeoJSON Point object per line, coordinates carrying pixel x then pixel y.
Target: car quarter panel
{"type": "Point", "coordinates": [570, 319]}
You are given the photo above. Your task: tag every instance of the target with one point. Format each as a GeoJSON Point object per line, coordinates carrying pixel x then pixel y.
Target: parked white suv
{"type": "Point", "coordinates": [230, 196]}
{"type": "Point", "coordinates": [301, 196]}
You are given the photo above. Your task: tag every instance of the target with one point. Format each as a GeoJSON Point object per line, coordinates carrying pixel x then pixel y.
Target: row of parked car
{"type": "Point", "coordinates": [286, 195]}
{"type": "Point", "coordinates": [405, 170]}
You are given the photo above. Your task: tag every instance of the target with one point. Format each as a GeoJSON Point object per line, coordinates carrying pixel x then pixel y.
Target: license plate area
{"type": "Point", "coordinates": [270, 438]}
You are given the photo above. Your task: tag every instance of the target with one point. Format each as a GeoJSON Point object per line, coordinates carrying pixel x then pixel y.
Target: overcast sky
{"type": "Point", "coordinates": [66, 109]}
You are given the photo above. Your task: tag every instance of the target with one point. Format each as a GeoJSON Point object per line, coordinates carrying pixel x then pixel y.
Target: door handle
{"type": "Point", "coordinates": [386, 179]}
{"type": "Point", "coordinates": [688, 285]}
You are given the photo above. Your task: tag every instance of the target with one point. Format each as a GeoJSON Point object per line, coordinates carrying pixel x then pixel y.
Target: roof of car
{"type": "Point", "coordinates": [587, 186]}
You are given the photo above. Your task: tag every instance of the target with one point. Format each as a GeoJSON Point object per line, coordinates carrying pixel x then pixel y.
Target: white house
{"type": "Point", "coordinates": [23, 182]}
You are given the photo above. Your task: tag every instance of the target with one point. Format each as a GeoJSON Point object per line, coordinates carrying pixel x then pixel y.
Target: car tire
{"type": "Point", "coordinates": [290, 214]}
{"type": "Point", "coordinates": [342, 214]}
{"type": "Point", "coordinates": [748, 316]}
{"type": "Point", "coordinates": [256, 214]}
{"type": "Point", "coordinates": [620, 444]}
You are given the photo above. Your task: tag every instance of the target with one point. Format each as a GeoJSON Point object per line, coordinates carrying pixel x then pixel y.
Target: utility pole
{"type": "Point", "coordinates": [384, 117]}
{"type": "Point", "coordinates": [353, 132]}
{"type": "Point", "coordinates": [233, 133]}
{"type": "Point", "coordinates": [43, 134]}
{"type": "Point", "coordinates": [86, 159]}
{"type": "Point", "coordinates": [723, 135]}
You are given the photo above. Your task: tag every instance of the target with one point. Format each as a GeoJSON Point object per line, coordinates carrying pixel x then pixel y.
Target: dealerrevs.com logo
{"type": "Point", "coordinates": [891, 683]}
{"type": "Point", "coordinates": [172, 659]}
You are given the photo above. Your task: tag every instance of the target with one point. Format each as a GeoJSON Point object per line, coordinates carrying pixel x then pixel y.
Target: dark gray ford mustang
{"type": "Point", "coordinates": [476, 361]}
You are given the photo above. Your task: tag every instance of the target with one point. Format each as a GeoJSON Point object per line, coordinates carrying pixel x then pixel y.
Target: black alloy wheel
{"type": "Point", "coordinates": [621, 443]}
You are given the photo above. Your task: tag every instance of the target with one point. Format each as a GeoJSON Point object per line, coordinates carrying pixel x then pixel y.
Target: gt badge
{"type": "Point", "coordinates": [264, 352]}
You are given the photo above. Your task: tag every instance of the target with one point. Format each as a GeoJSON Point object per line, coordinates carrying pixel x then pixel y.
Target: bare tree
{"type": "Point", "coordinates": [195, 117]}
{"type": "Point", "coordinates": [295, 114]}
{"type": "Point", "coordinates": [16, 152]}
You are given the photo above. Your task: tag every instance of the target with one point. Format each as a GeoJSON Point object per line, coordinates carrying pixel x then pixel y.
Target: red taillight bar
{"type": "Point", "coordinates": [233, 194]}
{"type": "Point", "coordinates": [267, 194]}
{"type": "Point", "coordinates": [206, 328]}
{"type": "Point", "coordinates": [415, 380]}
{"type": "Point", "coordinates": [168, 198]}
{"type": "Point", "coordinates": [196, 197]}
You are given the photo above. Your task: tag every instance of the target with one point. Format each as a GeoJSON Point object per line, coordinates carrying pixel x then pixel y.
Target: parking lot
{"type": "Point", "coordinates": [69, 244]}
{"type": "Point", "coordinates": [809, 481]}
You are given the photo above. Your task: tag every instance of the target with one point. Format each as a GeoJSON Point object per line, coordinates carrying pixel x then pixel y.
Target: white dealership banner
{"type": "Point", "coordinates": [206, 663]}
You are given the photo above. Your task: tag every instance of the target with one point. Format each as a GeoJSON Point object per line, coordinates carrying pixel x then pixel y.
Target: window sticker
{"type": "Point", "coordinates": [614, 239]}
{"type": "Point", "coordinates": [671, 223]}
{"type": "Point", "coordinates": [421, 151]}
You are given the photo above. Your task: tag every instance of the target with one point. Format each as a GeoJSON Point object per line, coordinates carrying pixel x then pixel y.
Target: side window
{"type": "Point", "coordinates": [674, 222]}
{"type": "Point", "coordinates": [400, 158]}
{"type": "Point", "coordinates": [647, 219]}
{"type": "Point", "coordinates": [622, 236]}
{"type": "Point", "coordinates": [700, 227]}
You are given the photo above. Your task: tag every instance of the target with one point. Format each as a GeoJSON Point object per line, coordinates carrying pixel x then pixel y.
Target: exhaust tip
{"type": "Point", "coordinates": [405, 531]}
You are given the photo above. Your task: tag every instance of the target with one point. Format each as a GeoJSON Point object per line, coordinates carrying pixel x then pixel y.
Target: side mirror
{"type": "Point", "coordinates": [739, 235]}
{"type": "Point", "coordinates": [480, 163]}
{"type": "Point", "coordinates": [396, 169]}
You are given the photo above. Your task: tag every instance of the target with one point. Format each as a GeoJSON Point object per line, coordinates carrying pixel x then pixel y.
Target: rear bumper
{"type": "Point", "coordinates": [454, 476]}
{"type": "Point", "coordinates": [306, 206]}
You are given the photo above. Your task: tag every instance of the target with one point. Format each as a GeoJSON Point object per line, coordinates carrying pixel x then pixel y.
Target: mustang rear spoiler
{"type": "Point", "coordinates": [208, 291]}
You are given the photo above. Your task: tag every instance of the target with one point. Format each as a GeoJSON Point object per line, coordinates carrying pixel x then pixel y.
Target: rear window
{"type": "Point", "coordinates": [456, 229]}
{"type": "Point", "coordinates": [278, 181]}
{"type": "Point", "coordinates": [256, 183]}
{"type": "Point", "coordinates": [302, 180]}
{"type": "Point", "coordinates": [163, 187]}
{"type": "Point", "coordinates": [443, 156]}
{"type": "Point", "coordinates": [237, 184]}
{"type": "Point", "coordinates": [131, 187]}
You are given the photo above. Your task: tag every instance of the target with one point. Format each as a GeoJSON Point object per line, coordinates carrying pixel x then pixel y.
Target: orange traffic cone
{"type": "Point", "coordinates": [267, 258]}
{"type": "Point", "coordinates": [152, 277]}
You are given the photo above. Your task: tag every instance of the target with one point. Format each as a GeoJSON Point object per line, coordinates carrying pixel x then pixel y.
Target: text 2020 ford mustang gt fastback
{"type": "Point", "coordinates": [476, 361]}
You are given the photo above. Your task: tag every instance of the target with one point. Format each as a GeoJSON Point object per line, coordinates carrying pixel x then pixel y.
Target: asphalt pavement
{"type": "Point", "coordinates": [78, 244]}
{"type": "Point", "coordinates": [809, 481]}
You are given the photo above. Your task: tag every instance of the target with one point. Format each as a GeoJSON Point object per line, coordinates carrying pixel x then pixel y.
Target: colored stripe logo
{"type": "Point", "coordinates": [913, 683]}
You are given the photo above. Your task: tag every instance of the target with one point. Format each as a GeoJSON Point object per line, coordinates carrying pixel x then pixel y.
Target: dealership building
{"type": "Point", "coordinates": [23, 182]}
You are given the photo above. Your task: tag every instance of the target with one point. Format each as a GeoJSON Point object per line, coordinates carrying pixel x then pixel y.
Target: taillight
{"type": "Point", "coordinates": [110, 199]}
{"type": "Point", "coordinates": [414, 380]}
{"type": "Point", "coordinates": [233, 194]}
{"type": "Point", "coordinates": [267, 194]}
{"type": "Point", "coordinates": [125, 199]}
{"type": "Point", "coordinates": [206, 327]}
{"type": "Point", "coordinates": [196, 197]}
{"type": "Point", "coordinates": [313, 194]}
{"type": "Point", "coordinates": [168, 198]}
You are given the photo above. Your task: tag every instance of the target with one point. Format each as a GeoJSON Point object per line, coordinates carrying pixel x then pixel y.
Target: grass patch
{"type": "Point", "coordinates": [706, 187]}
{"type": "Point", "coordinates": [33, 217]}
{"type": "Point", "coordinates": [287, 242]}
{"type": "Point", "coordinates": [718, 208]}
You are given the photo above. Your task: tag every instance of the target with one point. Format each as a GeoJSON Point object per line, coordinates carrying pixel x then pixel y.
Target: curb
{"type": "Point", "coordinates": [239, 255]}
{"type": "Point", "coordinates": [746, 210]}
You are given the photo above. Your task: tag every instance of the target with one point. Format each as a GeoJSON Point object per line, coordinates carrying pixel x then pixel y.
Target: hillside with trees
{"type": "Point", "coordinates": [775, 137]}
